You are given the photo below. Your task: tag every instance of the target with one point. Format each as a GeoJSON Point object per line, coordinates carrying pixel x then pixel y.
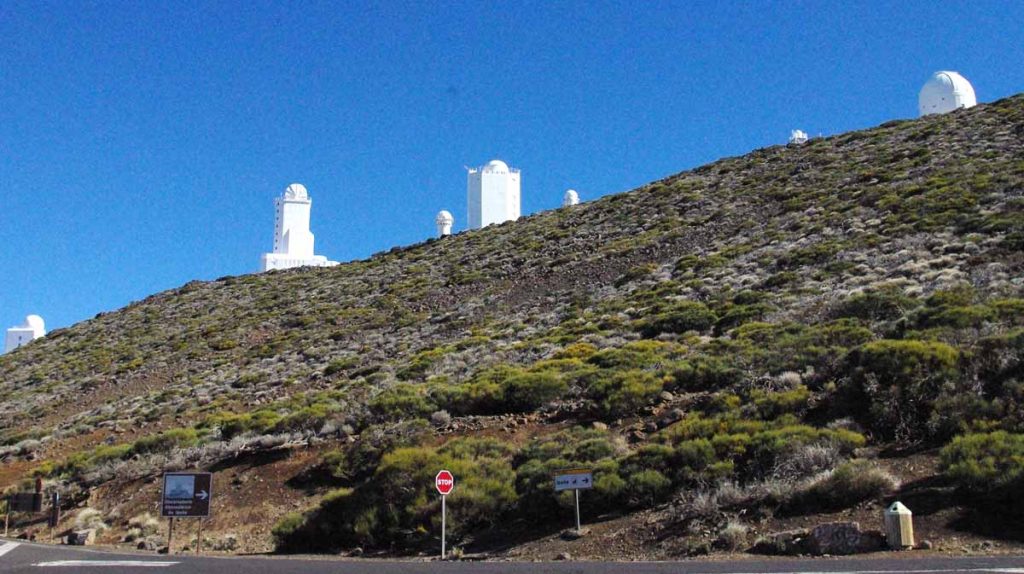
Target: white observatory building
{"type": "Point", "coordinates": [33, 328]}
{"type": "Point", "coordinates": [798, 137]}
{"type": "Point", "coordinates": [945, 92]}
{"type": "Point", "coordinates": [493, 192]}
{"type": "Point", "coordinates": [444, 221]}
{"type": "Point", "coordinates": [570, 198]}
{"type": "Point", "coordinates": [293, 241]}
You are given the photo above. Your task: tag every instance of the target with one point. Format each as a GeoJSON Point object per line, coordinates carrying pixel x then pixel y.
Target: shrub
{"type": "Point", "coordinates": [166, 441]}
{"type": "Point", "coordinates": [900, 381]}
{"type": "Point", "coordinates": [847, 485]}
{"type": "Point", "coordinates": [624, 392]}
{"type": "Point", "coordinates": [733, 537]}
{"type": "Point", "coordinates": [647, 487]}
{"type": "Point", "coordinates": [90, 519]}
{"type": "Point", "coordinates": [885, 304]}
{"type": "Point", "coordinates": [286, 528]}
{"type": "Point", "coordinates": [679, 318]}
{"type": "Point", "coordinates": [402, 401]}
{"type": "Point", "coordinates": [528, 391]}
{"type": "Point", "coordinates": [984, 462]}
{"type": "Point", "coordinates": [704, 373]}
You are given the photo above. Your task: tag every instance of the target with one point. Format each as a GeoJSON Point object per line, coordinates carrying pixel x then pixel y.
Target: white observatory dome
{"type": "Point", "coordinates": [35, 322]}
{"type": "Point", "coordinates": [570, 198]}
{"type": "Point", "coordinates": [296, 191]}
{"type": "Point", "coordinates": [444, 217]}
{"type": "Point", "coordinates": [496, 166]}
{"type": "Point", "coordinates": [945, 92]}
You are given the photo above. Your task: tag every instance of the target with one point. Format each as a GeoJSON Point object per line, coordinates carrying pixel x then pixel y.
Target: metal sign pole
{"type": "Point", "coordinates": [577, 491]}
{"type": "Point", "coordinates": [443, 524]}
{"type": "Point", "coordinates": [199, 538]}
{"type": "Point", "coordinates": [7, 517]}
{"type": "Point", "coordinates": [170, 534]}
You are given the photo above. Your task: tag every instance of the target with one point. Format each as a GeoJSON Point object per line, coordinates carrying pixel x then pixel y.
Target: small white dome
{"type": "Point", "coordinates": [944, 92]}
{"type": "Point", "coordinates": [496, 166]}
{"type": "Point", "coordinates": [444, 217]}
{"type": "Point", "coordinates": [35, 322]}
{"type": "Point", "coordinates": [296, 191]}
{"type": "Point", "coordinates": [570, 198]}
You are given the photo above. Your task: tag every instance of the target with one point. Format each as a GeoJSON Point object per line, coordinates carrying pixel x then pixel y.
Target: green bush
{"type": "Point", "coordinates": [704, 373]}
{"type": "Point", "coordinates": [680, 317]}
{"type": "Point", "coordinates": [647, 487]}
{"type": "Point", "coordinates": [166, 441]}
{"type": "Point", "coordinates": [985, 462]}
{"type": "Point", "coordinates": [624, 392]}
{"type": "Point", "coordinates": [900, 380]}
{"type": "Point", "coordinates": [402, 401]}
{"type": "Point", "coordinates": [528, 391]}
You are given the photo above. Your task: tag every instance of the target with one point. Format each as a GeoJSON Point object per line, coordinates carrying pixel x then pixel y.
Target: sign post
{"type": "Point", "coordinates": [574, 479]}
{"type": "Point", "coordinates": [186, 495]}
{"type": "Point", "coordinates": [444, 482]}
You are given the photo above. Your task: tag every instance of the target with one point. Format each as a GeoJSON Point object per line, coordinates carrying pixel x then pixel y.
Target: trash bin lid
{"type": "Point", "coordinates": [897, 508]}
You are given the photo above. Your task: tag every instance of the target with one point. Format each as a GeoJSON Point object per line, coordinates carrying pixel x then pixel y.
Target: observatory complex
{"type": "Point", "coordinates": [945, 92]}
{"type": "Point", "coordinates": [493, 194]}
{"type": "Point", "coordinates": [33, 328]}
{"type": "Point", "coordinates": [293, 241]}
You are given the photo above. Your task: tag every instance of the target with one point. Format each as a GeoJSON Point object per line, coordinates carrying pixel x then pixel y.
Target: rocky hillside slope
{"type": "Point", "coordinates": [760, 338]}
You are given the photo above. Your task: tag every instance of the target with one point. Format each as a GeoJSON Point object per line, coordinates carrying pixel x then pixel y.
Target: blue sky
{"type": "Point", "coordinates": [142, 143]}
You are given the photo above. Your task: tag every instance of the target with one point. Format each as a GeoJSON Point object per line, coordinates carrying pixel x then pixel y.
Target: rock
{"type": "Point", "coordinates": [357, 551]}
{"type": "Point", "coordinates": [82, 537]}
{"type": "Point", "coordinates": [573, 534]}
{"type": "Point", "coordinates": [926, 545]}
{"type": "Point", "coordinates": [599, 426]}
{"type": "Point", "coordinates": [836, 538]}
{"type": "Point", "coordinates": [790, 543]}
{"type": "Point", "coordinates": [564, 556]}
{"type": "Point", "coordinates": [673, 416]}
{"type": "Point", "coordinates": [666, 396]}
{"type": "Point", "coordinates": [651, 427]}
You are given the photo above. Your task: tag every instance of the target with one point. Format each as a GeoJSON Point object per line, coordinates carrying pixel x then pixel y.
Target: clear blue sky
{"type": "Point", "coordinates": [142, 143]}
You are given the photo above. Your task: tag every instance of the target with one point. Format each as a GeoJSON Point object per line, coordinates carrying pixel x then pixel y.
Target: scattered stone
{"type": "Point", "coordinates": [563, 556]}
{"type": "Point", "coordinates": [573, 534]}
{"type": "Point", "coordinates": [598, 425]}
{"type": "Point", "coordinates": [841, 538]}
{"type": "Point", "coordinates": [926, 545]}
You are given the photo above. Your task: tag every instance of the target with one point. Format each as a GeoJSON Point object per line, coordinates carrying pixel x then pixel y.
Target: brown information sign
{"type": "Point", "coordinates": [25, 502]}
{"type": "Point", "coordinates": [186, 495]}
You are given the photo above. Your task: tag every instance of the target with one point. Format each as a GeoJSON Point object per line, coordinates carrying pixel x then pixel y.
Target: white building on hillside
{"type": "Point", "coordinates": [945, 92]}
{"type": "Point", "coordinates": [33, 328]}
{"type": "Point", "coordinates": [444, 222]}
{"type": "Point", "coordinates": [493, 193]}
{"type": "Point", "coordinates": [798, 137]}
{"type": "Point", "coordinates": [570, 198]}
{"type": "Point", "coordinates": [293, 241]}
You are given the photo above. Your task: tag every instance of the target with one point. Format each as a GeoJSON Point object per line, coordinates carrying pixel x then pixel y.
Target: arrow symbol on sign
{"type": "Point", "coordinates": [202, 495]}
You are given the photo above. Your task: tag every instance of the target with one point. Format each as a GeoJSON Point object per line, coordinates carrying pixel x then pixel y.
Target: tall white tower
{"type": "Point", "coordinates": [32, 329]}
{"type": "Point", "coordinates": [444, 221]}
{"type": "Point", "coordinates": [293, 241]}
{"type": "Point", "coordinates": [493, 194]}
{"type": "Point", "coordinates": [570, 198]}
{"type": "Point", "coordinates": [945, 92]}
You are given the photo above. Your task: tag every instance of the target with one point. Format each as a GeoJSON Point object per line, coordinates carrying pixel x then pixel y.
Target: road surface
{"type": "Point", "coordinates": [21, 557]}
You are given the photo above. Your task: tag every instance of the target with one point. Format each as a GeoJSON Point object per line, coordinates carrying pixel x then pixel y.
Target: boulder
{"type": "Point", "coordinates": [82, 537]}
{"type": "Point", "coordinates": [839, 538]}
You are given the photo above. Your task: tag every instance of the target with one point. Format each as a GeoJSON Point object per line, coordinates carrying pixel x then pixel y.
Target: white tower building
{"type": "Point", "coordinates": [444, 221]}
{"type": "Point", "coordinates": [945, 92]}
{"type": "Point", "coordinates": [797, 137]}
{"type": "Point", "coordinates": [33, 328]}
{"type": "Point", "coordinates": [293, 241]}
{"type": "Point", "coordinates": [570, 198]}
{"type": "Point", "coordinates": [493, 194]}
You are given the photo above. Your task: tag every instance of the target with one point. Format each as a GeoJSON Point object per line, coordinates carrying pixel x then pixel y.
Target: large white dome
{"type": "Point", "coordinates": [443, 217]}
{"type": "Point", "coordinates": [496, 166]}
{"type": "Point", "coordinates": [944, 92]}
{"type": "Point", "coordinates": [296, 191]}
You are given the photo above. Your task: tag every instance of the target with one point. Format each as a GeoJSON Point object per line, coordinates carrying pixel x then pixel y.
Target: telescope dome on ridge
{"type": "Point", "coordinates": [944, 92]}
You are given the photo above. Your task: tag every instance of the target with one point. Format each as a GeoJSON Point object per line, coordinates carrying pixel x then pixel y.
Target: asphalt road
{"type": "Point", "coordinates": [26, 557]}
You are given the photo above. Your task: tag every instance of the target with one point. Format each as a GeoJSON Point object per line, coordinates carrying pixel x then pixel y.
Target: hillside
{"type": "Point", "coordinates": [797, 334]}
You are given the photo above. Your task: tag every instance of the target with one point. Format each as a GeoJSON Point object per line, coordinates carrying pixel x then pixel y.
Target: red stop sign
{"type": "Point", "coordinates": [444, 482]}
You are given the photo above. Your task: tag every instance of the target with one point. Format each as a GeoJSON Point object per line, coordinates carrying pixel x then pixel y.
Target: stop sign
{"type": "Point", "coordinates": [444, 482]}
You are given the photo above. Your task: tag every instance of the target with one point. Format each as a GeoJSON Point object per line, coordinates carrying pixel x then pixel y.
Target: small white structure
{"type": "Point", "coordinates": [797, 137]}
{"type": "Point", "coordinates": [570, 198]}
{"type": "Point", "coordinates": [444, 221]}
{"type": "Point", "coordinates": [33, 328]}
{"type": "Point", "coordinates": [945, 92]}
{"type": "Point", "coordinates": [493, 192]}
{"type": "Point", "coordinates": [293, 241]}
